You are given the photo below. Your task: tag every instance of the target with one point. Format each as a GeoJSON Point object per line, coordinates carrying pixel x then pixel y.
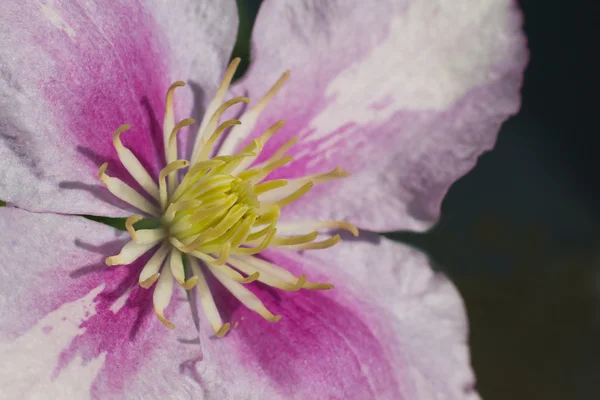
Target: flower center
{"type": "Point", "coordinates": [222, 213]}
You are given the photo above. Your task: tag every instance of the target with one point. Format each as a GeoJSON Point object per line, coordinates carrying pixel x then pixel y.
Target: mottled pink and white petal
{"type": "Point", "coordinates": [74, 328]}
{"type": "Point", "coordinates": [405, 95]}
{"type": "Point", "coordinates": [391, 329]}
{"type": "Point", "coordinates": [73, 72]}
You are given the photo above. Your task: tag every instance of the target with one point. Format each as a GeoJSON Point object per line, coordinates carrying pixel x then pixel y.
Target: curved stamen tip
{"type": "Point", "coordinates": [178, 126]}
{"type": "Point", "coordinates": [177, 84]}
{"type": "Point", "coordinates": [117, 134]}
{"type": "Point", "coordinates": [353, 230]}
{"type": "Point", "coordinates": [101, 172]}
{"type": "Point", "coordinates": [348, 227]}
{"type": "Point", "coordinates": [251, 278]}
{"type": "Point", "coordinates": [150, 281]}
{"type": "Point", "coordinates": [222, 331]}
{"type": "Point", "coordinates": [129, 225]}
{"type": "Point", "coordinates": [338, 172]}
{"type": "Point", "coordinates": [301, 281]}
{"type": "Point", "coordinates": [190, 283]}
{"type": "Point", "coordinates": [113, 260]}
{"type": "Point", "coordinates": [274, 318]}
{"type": "Point", "coordinates": [161, 317]}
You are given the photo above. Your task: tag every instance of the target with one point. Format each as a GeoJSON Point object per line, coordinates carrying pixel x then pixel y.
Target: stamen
{"type": "Point", "coordinates": [162, 296]}
{"type": "Point", "coordinates": [270, 185]}
{"type": "Point", "coordinates": [235, 214]}
{"type": "Point", "coordinates": [133, 165]}
{"type": "Point", "coordinates": [317, 286]}
{"type": "Point", "coordinates": [162, 185]}
{"type": "Point", "coordinates": [255, 175]}
{"type": "Point", "coordinates": [194, 174]}
{"type": "Point", "coordinates": [261, 247]}
{"type": "Point", "coordinates": [296, 184]}
{"type": "Point", "coordinates": [216, 102]}
{"type": "Point", "coordinates": [176, 264]}
{"type": "Point", "coordinates": [320, 178]}
{"type": "Point", "coordinates": [262, 140]}
{"type": "Point", "coordinates": [246, 297]}
{"type": "Point", "coordinates": [260, 106]}
{"type": "Point", "coordinates": [269, 217]}
{"type": "Point", "coordinates": [280, 152]}
{"type": "Point", "coordinates": [232, 274]}
{"type": "Point", "coordinates": [179, 206]}
{"type": "Point", "coordinates": [150, 272]}
{"type": "Point", "coordinates": [289, 228]}
{"type": "Point", "coordinates": [202, 186]}
{"type": "Point", "coordinates": [207, 302]}
{"type": "Point", "coordinates": [268, 268]}
{"type": "Point", "coordinates": [242, 232]}
{"type": "Point", "coordinates": [250, 151]}
{"type": "Point", "coordinates": [129, 225]}
{"type": "Point", "coordinates": [213, 123]}
{"type": "Point", "coordinates": [169, 120]}
{"type": "Point", "coordinates": [225, 250]}
{"type": "Point", "coordinates": [172, 141]}
{"type": "Point", "coordinates": [206, 212]}
{"type": "Point", "coordinates": [332, 241]}
{"type": "Point", "coordinates": [297, 194]}
{"type": "Point", "coordinates": [129, 253]}
{"type": "Point", "coordinates": [205, 152]}
{"type": "Point", "coordinates": [171, 150]}
{"type": "Point", "coordinates": [144, 236]}
{"type": "Point", "coordinates": [266, 277]}
{"type": "Point", "coordinates": [250, 117]}
{"type": "Point", "coordinates": [295, 240]}
{"type": "Point", "coordinates": [124, 192]}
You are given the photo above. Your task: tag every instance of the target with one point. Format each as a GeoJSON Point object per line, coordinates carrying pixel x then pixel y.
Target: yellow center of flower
{"type": "Point", "coordinates": [221, 214]}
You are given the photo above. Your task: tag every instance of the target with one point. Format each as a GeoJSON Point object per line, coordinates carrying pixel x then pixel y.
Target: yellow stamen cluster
{"type": "Point", "coordinates": [221, 214]}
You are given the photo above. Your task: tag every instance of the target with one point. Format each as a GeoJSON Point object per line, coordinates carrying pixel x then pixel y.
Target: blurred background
{"type": "Point", "coordinates": [519, 234]}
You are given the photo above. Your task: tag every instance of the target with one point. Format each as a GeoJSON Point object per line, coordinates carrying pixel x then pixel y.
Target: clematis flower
{"type": "Point", "coordinates": [385, 106]}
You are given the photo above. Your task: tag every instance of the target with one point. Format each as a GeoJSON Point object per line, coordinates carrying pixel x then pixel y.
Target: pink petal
{"type": "Point", "coordinates": [404, 95]}
{"type": "Point", "coordinates": [74, 328]}
{"type": "Point", "coordinates": [391, 329]}
{"type": "Point", "coordinates": [73, 72]}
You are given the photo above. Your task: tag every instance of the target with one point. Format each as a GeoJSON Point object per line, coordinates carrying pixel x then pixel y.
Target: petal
{"type": "Point", "coordinates": [391, 329]}
{"type": "Point", "coordinates": [73, 72]}
{"type": "Point", "coordinates": [405, 96]}
{"type": "Point", "coordinates": [75, 328]}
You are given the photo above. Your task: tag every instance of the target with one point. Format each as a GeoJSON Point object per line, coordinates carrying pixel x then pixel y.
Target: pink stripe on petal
{"type": "Point", "coordinates": [117, 332]}
{"type": "Point", "coordinates": [404, 95]}
{"type": "Point", "coordinates": [79, 71]}
{"type": "Point", "coordinates": [75, 71]}
{"type": "Point", "coordinates": [325, 346]}
{"type": "Point", "coordinates": [391, 329]}
{"type": "Point", "coordinates": [319, 349]}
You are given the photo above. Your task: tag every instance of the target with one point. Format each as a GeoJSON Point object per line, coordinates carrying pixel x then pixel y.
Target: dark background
{"type": "Point", "coordinates": [519, 233]}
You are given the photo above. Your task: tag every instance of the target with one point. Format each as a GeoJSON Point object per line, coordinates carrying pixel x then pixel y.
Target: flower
{"type": "Point", "coordinates": [222, 213]}
{"type": "Point", "coordinates": [403, 105]}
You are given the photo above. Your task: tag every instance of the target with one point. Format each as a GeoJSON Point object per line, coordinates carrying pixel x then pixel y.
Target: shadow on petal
{"type": "Point", "coordinates": [156, 133]}
{"type": "Point", "coordinates": [98, 191]}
